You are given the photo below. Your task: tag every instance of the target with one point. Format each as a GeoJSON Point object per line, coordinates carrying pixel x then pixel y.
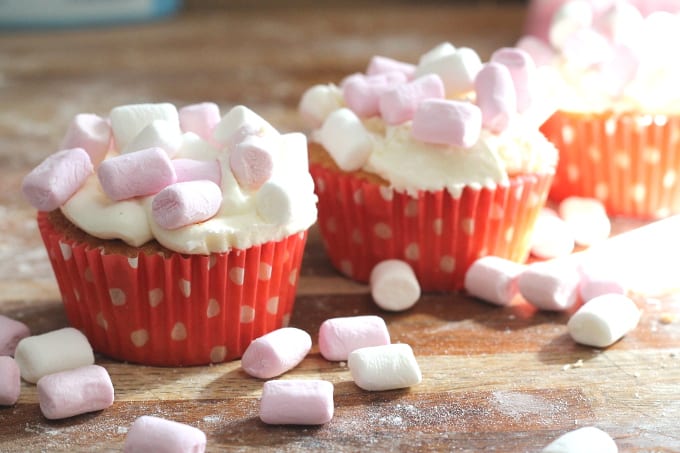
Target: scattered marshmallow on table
{"type": "Point", "coordinates": [127, 121]}
{"type": "Point", "coordinates": [155, 434]}
{"type": "Point", "coordinates": [493, 279]}
{"type": "Point", "coordinates": [551, 237]}
{"type": "Point", "coordinates": [598, 281]}
{"type": "Point", "coordinates": [297, 402]}
{"type": "Point", "coordinates": [346, 139]}
{"type": "Point", "coordinates": [587, 218]}
{"type": "Point", "coordinates": [603, 320]}
{"type": "Point", "coordinates": [57, 178]}
{"type": "Point", "coordinates": [496, 96]}
{"type": "Point", "coordinates": [51, 352]}
{"type": "Point", "coordinates": [386, 367]}
{"type": "Point", "coordinates": [583, 440]}
{"type": "Point", "coordinates": [186, 203]}
{"type": "Point", "coordinates": [10, 381]}
{"type": "Point", "coordinates": [550, 285]}
{"type": "Point", "coordinates": [91, 133]}
{"type": "Point", "coordinates": [11, 332]}
{"type": "Point", "coordinates": [394, 285]}
{"type": "Point", "coordinates": [400, 103]}
{"type": "Point", "coordinates": [340, 336]}
{"type": "Point", "coordinates": [446, 122]}
{"type": "Point", "coordinates": [73, 392]}
{"type": "Point", "coordinates": [276, 352]}
{"type": "Point", "coordinates": [200, 119]}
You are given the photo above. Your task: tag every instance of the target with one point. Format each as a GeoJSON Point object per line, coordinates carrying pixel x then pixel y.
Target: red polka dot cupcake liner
{"type": "Point", "coordinates": [363, 223]}
{"type": "Point", "coordinates": [175, 310]}
{"type": "Point", "coordinates": [629, 162]}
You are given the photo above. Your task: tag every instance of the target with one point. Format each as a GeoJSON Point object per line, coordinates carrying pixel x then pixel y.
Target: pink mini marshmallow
{"type": "Point", "coordinates": [445, 122]}
{"type": "Point", "coordinates": [11, 333]}
{"type": "Point", "coordinates": [586, 48]}
{"type": "Point", "coordinates": [297, 402]}
{"type": "Point", "coordinates": [521, 67]}
{"type": "Point", "coordinates": [400, 103]}
{"type": "Point", "coordinates": [135, 174]}
{"type": "Point", "coordinates": [200, 119]}
{"type": "Point", "coordinates": [252, 162]}
{"type": "Point", "coordinates": [57, 178]}
{"type": "Point", "coordinates": [276, 352]}
{"type": "Point", "coordinates": [10, 381]}
{"type": "Point", "coordinates": [619, 70]}
{"type": "Point", "coordinates": [74, 392]}
{"type": "Point", "coordinates": [600, 280]}
{"type": "Point", "coordinates": [338, 337]}
{"type": "Point", "coordinates": [193, 170]}
{"type": "Point", "coordinates": [550, 285]}
{"type": "Point", "coordinates": [186, 203]}
{"type": "Point", "coordinates": [394, 285]}
{"type": "Point", "coordinates": [587, 218]}
{"type": "Point", "coordinates": [494, 279]}
{"type": "Point", "coordinates": [551, 237]}
{"type": "Point", "coordinates": [539, 50]}
{"type": "Point", "coordinates": [157, 434]}
{"type": "Point", "coordinates": [384, 65]}
{"type": "Point", "coordinates": [91, 133]}
{"type": "Point", "coordinates": [496, 96]}
{"type": "Point", "coordinates": [362, 93]}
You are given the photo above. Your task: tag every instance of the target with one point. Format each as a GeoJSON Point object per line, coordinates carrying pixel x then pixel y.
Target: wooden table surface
{"type": "Point", "coordinates": [494, 379]}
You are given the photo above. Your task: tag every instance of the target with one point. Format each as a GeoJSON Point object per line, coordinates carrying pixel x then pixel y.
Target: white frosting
{"type": "Point", "coordinates": [236, 225]}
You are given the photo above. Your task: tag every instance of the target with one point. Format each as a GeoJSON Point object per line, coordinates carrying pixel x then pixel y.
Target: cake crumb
{"type": "Point", "coordinates": [668, 318]}
{"type": "Point", "coordinates": [569, 366]}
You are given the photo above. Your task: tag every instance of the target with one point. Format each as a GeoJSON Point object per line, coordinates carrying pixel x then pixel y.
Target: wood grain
{"type": "Point", "coordinates": [494, 379]}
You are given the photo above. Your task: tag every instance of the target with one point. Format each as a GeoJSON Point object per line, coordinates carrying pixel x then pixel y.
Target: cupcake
{"type": "Point", "coordinates": [617, 127]}
{"type": "Point", "coordinates": [176, 236]}
{"type": "Point", "coordinates": [436, 163]}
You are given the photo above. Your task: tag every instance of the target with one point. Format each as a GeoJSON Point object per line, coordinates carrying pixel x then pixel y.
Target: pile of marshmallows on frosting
{"type": "Point", "coordinates": [449, 97]}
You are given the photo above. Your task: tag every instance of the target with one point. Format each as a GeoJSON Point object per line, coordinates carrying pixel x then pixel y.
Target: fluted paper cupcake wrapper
{"type": "Point", "coordinates": [176, 310]}
{"type": "Point", "coordinates": [630, 162]}
{"type": "Point", "coordinates": [363, 223]}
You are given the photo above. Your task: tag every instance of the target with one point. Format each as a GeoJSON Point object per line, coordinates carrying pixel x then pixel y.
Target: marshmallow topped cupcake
{"type": "Point", "coordinates": [435, 163]}
{"type": "Point", "coordinates": [176, 236]}
{"type": "Point", "coordinates": [618, 126]}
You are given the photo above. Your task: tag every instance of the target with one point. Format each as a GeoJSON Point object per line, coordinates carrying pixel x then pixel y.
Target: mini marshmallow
{"type": "Point", "coordinates": [194, 147]}
{"type": "Point", "coordinates": [75, 392]}
{"type": "Point", "coordinates": [445, 122]}
{"type": "Point", "coordinates": [587, 218]}
{"type": "Point", "coordinates": [496, 96]}
{"type": "Point", "coordinates": [193, 170]}
{"type": "Point", "coordinates": [91, 133]}
{"type": "Point", "coordinates": [394, 285]}
{"type": "Point", "coordinates": [522, 68]}
{"type": "Point", "coordinates": [297, 402]}
{"type": "Point", "coordinates": [239, 123]}
{"type": "Point", "coordinates": [603, 320]}
{"type": "Point", "coordinates": [493, 279]}
{"type": "Point", "coordinates": [11, 332]}
{"type": "Point", "coordinates": [571, 17]}
{"type": "Point", "coordinates": [384, 65]}
{"type": "Point", "coordinates": [157, 434]}
{"type": "Point", "coordinates": [586, 48]}
{"type": "Point", "coordinates": [387, 367]}
{"type": "Point", "coordinates": [57, 178]}
{"type": "Point", "coordinates": [200, 119]}
{"type": "Point", "coordinates": [51, 352]}
{"type": "Point", "coordinates": [621, 23]}
{"type": "Point", "coordinates": [274, 203]}
{"type": "Point", "coordinates": [344, 136]}
{"type": "Point", "coordinates": [598, 281]}
{"type": "Point", "coordinates": [583, 440]}
{"type": "Point", "coordinates": [318, 102]}
{"type": "Point", "coordinates": [276, 352]}
{"type": "Point", "coordinates": [158, 134]}
{"type": "Point", "coordinates": [128, 120]}
{"type": "Point", "coordinates": [10, 381]}
{"type": "Point", "coordinates": [457, 70]}
{"type": "Point", "coordinates": [186, 203]}
{"type": "Point", "coordinates": [551, 237]}
{"type": "Point", "coordinates": [140, 173]}
{"type": "Point", "coordinates": [619, 70]}
{"type": "Point", "coordinates": [338, 337]}
{"type": "Point", "coordinates": [362, 93]}
{"type": "Point", "coordinates": [550, 285]}
{"type": "Point", "coordinates": [399, 104]}
{"type": "Point", "coordinates": [541, 53]}
{"type": "Point", "coordinates": [252, 161]}
{"type": "Point", "coordinates": [437, 52]}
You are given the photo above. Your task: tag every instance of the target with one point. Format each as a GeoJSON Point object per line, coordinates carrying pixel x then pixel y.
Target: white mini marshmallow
{"type": "Point", "coordinates": [437, 52]}
{"type": "Point", "coordinates": [11, 332]}
{"type": "Point", "coordinates": [445, 122]}
{"type": "Point", "coordinates": [394, 285]}
{"type": "Point", "coordinates": [496, 96]}
{"type": "Point", "coordinates": [155, 434]}
{"type": "Point", "coordinates": [621, 23]}
{"type": "Point", "coordinates": [297, 402]}
{"type": "Point", "coordinates": [252, 161]}
{"type": "Point", "coordinates": [159, 133]}
{"type": "Point", "coordinates": [200, 119]}
{"type": "Point", "coordinates": [457, 70]}
{"type": "Point", "coordinates": [274, 204]}
{"type": "Point", "coordinates": [494, 279]}
{"type": "Point", "coordinates": [586, 48]}
{"type": "Point", "coordinates": [240, 122]}
{"type": "Point", "coordinates": [91, 133]}
{"type": "Point", "coordinates": [400, 103]}
{"type": "Point", "coordinates": [587, 218]}
{"type": "Point", "coordinates": [550, 285]}
{"type": "Point", "coordinates": [384, 65]}
{"type": "Point", "coordinates": [276, 352]}
{"type": "Point", "coordinates": [128, 120]}
{"type": "Point", "coordinates": [10, 381]}
{"type": "Point", "coordinates": [51, 352]}
{"type": "Point", "coordinates": [340, 336]}
{"type": "Point", "coordinates": [387, 367]}
{"type": "Point", "coordinates": [522, 69]}
{"type": "Point", "coordinates": [552, 237]}
{"type": "Point", "coordinates": [318, 102]}
{"type": "Point", "coordinates": [583, 440]}
{"type": "Point", "coordinates": [346, 139]}
{"type": "Point", "coordinates": [603, 320]}
{"type": "Point", "coordinates": [186, 203]}
{"type": "Point", "coordinates": [194, 147]}
{"type": "Point", "coordinates": [570, 17]}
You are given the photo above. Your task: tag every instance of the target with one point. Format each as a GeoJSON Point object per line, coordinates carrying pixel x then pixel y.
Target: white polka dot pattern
{"type": "Point", "coordinates": [218, 354]}
{"type": "Point", "coordinates": [117, 296]}
{"type": "Point", "coordinates": [247, 314]}
{"type": "Point", "coordinates": [155, 297]}
{"type": "Point", "coordinates": [65, 251]}
{"type": "Point", "coordinates": [133, 262]}
{"type": "Point", "coordinates": [383, 231]}
{"type": "Point", "coordinates": [179, 332]}
{"type": "Point", "coordinates": [185, 287]}
{"type": "Point", "coordinates": [139, 337]}
{"type": "Point", "coordinates": [213, 308]}
{"type": "Point", "coordinates": [273, 305]}
{"type": "Point", "coordinates": [265, 271]}
{"type": "Point", "coordinates": [412, 252]}
{"type": "Point", "coordinates": [237, 275]}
